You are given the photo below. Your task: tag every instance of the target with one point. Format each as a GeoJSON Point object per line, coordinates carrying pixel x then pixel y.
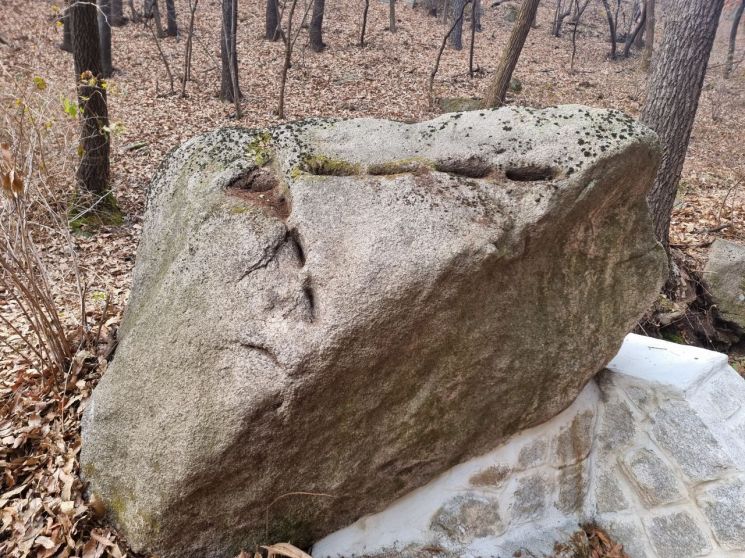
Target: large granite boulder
{"type": "Point", "coordinates": [350, 308]}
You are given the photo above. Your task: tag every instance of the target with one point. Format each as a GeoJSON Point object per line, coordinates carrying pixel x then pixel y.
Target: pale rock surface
{"type": "Point", "coordinates": [351, 308]}
{"type": "Point", "coordinates": [725, 276]}
{"type": "Point", "coordinates": [662, 469]}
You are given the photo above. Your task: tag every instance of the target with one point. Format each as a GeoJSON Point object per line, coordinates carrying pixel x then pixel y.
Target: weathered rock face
{"type": "Point", "coordinates": [725, 274]}
{"type": "Point", "coordinates": [351, 308]}
{"type": "Point", "coordinates": [652, 451]}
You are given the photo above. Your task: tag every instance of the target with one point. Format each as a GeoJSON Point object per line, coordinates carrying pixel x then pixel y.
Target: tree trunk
{"type": "Point", "coordinates": [133, 13]}
{"type": "Point", "coordinates": [559, 16]}
{"type": "Point", "coordinates": [66, 44]}
{"type": "Point", "coordinates": [456, 37]}
{"type": "Point", "coordinates": [673, 93]}
{"type": "Point", "coordinates": [732, 40]}
{"type": "Point", "coordinates": [476, 14]}
{"type": "Point", "coordinates": [364, 23]}
{"type": "Point", "coordinates": [153, 11]}
{"type": "Point", "coordinates": [117, 13]}
{"type": "Point", "coordinates": [93, 172]}
{"type": "Point", "coordinates": [272, 31]}
{"type": "Point", "coordinates": [612, 22]}
{"type": "Point", "coordinates": [229, 89]}
{"type": "Point", "coordinates": [649, 32]}
{"type": "Point", "coordinates": [316, 26]}
{"type": "Point", "coordinates": [104, 33]}
{"type": "Point", "coordinates": [392, 16]}
{"type": "Point", "coordinates": [496, 92]}
{"type": "Point", "coordinates": [635, 30]}
{"type": "Point", "coordinates": [171, 24]}
{"type": "Point", "coordinates": [288, 59]}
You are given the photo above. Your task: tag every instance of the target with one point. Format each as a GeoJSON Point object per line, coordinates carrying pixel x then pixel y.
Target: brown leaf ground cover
{"type": "Point", "coordinates": [43, 510]}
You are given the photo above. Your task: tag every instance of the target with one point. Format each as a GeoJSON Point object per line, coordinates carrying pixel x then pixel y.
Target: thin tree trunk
{"type": "Point", "coordinates": [104, 33]}
{"type": "Point", "coordinates": [392, 16]}
{"type": "Point", "coordinates": [93, 171]}
{"type": "Point", "coordinates": [559, 17]}
{"type": "Point", "coordinates": [272, 28]}
{"type": "Point", "coordinates": [229, 88]}
{"type": "Point", "coordinates": [286, 66]}
{"type": "Point", "coordinates": [612, 29]}
{"type": "Point", "coordinates": [66, 44]}
{"type": "Point", "coordinates": [153, 11]}
{"type": "Point", "coordinates": [117, 13]}
{"type": "Point", "coordinates": [364, 23]}
{"type": "Point", "coordinates": [635, 30]}
{"type": "Point", "coordinates": [649, 32]}
{"type": "Point", "coordinates": [733, 40]}
{"type": "Point", "coordinates": [574, 37]}
{"type": "Point", "coordinates": [164, 58]}
{"type": "Point", "coordinates": [189, 46]}
{"type": "Point", "coordinates": [171, 24]}
{"type": "Point", "coordinates": [456, 37]}
{"type": "Point", "coordinates": [133, 13]}
{"type": "Point", "coordinates": [672, 99]}
{"type": "Point", "coordinates": [433, 73]}
{"type": "Point", "coordinates": [497, 91]}
{"type": "Point", "coordinates": [476, 13]}
{"type": "Point", "coordinates": [472, 46]}
{"type": "Point", "coordinates": [316, 26]}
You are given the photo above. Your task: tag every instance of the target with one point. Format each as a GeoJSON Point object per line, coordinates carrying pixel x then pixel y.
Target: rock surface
{"type": "Point", "coordinates": [633, 473]}
{"type": "Point", "coordinates": [350, 308]}
{"type": "Point", "coordinates": [725, 275]}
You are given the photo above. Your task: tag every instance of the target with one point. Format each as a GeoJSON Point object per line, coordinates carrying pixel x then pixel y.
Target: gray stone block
{"type": "Point", "coordinates": [653, 479]}
{"type": "Point", "coordinates": [725, 392]}
{"type": "Point", "coordinates": [572, 488]}
{"type": "Point", "coordinates": [676, 535]}
{"type": "Point", "coordinates": [629, 530]}
{"type": "Point", "coordinates": [724, 506]}
{"type": "Point", "coordinates": [529, 498]}
{"type": "Point", "coordinates": [682, 433]}
{"type": "Point", "coordinates": [609, 496]}
{"type": "Point", "coordinates": [573, 443]}
{"type": "Point", "coordinates": [467, 517]}
{"type": "Point", "coordinates": [533, 454]}
{"type": "Point", "coordinates": [617, 428]}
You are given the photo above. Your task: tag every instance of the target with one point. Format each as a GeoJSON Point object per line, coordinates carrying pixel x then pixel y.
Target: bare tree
{"type": "Point", "coordinates": [433, 73]}
{"type": "Point", "coordinates": [559, 15]}
{"type": "Point", "coordinates": [612, 25]}
{"type": "Point", "coordinates": [672, 97]}
{"type": "Point", "coordinates": [733, 39]}
{"type": "Point", "coordinates": [316, 26]}
{"type": "Point", "coordinates": [117, 13]}
{"type": "Point", "coordinates": [273, 30]}
{"type": "Point", "coordinates": [364, 23]}
{"type": "Point", "coordinates": [496, 92]}
{"type": "Point", "coordinates": [104, 33]}
{"type": "Point", "coordinates": [456, 37]}
{"type": "Point", "coordinates": [94, 169]}
{"type": "Point", "coordinates": [392, 16]}
{"type": "Point", "coordinates": [474, 27]}
{"type": "Point", "coordinates": [171, 24]}
{"type": "Point", "coordinates": [649, 32]}
{"type": "Point", "coordinates": [189, 46]}
{"type": "Point", "coordinates": [636, 26]}
{"type": "Point", "coordinates": [133, 13]}
{"type": "Point", "coordinates": [229, 89]}
{"type": "Point", "coordinates": [152, 11]}
{"type": "Point", "coordinates": [288, 58]}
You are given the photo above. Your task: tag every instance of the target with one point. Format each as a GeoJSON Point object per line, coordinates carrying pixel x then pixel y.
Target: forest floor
{"type": "Point", "coordinates": [43, 510]}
